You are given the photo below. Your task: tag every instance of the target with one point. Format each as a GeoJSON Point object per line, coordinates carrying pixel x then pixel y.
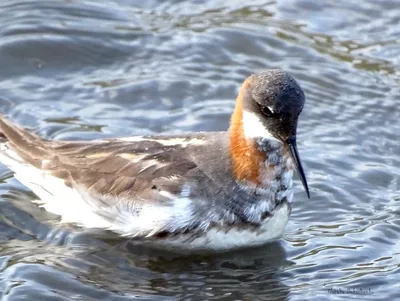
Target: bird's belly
{"type": "Point", "coordinates": [217, 240]}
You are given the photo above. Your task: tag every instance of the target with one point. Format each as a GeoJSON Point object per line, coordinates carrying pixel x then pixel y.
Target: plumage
{"type": "Point", "coordinates": [192, 191]}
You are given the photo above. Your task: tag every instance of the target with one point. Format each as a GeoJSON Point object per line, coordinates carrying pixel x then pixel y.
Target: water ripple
{"type": "Point", "coordinates": [93, 69]}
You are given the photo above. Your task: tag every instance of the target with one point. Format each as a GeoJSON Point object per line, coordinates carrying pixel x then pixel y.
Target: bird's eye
{"type": "Point", "coordinates": [266, 111]}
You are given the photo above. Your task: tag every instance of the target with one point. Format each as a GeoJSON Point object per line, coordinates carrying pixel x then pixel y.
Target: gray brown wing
{"type": "Point", "coordinates": [123, 169]}
{"type": "Point", "coordinates": [135, 188]}
{"type": "Point", "coordinates": [106, 167]}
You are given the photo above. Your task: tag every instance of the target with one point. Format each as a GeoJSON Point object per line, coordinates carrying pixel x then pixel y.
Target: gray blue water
{"type": "Point", "coordinates": [74, 69]}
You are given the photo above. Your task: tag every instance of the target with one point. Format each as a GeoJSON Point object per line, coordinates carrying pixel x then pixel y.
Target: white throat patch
{"type": "Point", "coordinates": [254, 128]}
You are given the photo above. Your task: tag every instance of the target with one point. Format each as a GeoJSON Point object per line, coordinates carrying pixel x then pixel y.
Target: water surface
{"type": "Point", "coordinates": [94, 69]}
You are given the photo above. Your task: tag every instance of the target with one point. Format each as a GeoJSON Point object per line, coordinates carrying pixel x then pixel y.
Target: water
{"type": "Point", "coordinates": [95, 69]}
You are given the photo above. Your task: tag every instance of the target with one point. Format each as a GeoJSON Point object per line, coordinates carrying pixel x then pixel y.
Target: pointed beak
{"type": "Point", "coordinates": [296, 159]}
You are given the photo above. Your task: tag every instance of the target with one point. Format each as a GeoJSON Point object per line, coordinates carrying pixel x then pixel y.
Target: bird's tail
{"type": "Point", "coordinates": [20, 146]}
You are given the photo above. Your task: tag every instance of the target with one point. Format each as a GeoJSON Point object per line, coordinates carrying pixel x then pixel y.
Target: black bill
{"type": "Point", "coordinates": [296, 159]}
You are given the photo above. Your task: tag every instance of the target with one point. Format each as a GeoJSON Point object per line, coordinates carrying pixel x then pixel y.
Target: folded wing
{"type": "Point", "coordinates": [134, 186]}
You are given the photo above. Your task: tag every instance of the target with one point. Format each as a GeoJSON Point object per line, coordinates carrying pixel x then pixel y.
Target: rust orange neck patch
{"type": "Point", "coordinates": [246, 158]}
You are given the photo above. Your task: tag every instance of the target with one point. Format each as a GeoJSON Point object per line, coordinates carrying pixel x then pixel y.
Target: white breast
{"type": "Point", "coordinates": [219, 241]}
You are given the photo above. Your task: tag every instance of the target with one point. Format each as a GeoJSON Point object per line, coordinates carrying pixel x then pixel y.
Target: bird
{"type": "Point", "coordinates": [193, 192]}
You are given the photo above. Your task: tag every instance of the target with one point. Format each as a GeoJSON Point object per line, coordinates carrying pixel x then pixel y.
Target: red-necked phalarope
{"type": "Point", "coordinates": [210, 191]}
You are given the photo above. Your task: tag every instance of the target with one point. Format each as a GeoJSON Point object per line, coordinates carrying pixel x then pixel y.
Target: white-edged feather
{"type": "Point", "coordinates": [166, 141]}
{"type": "Point", "coordinates": [75, 205]}
{"type": "Point", "coordinates": [130, 219]}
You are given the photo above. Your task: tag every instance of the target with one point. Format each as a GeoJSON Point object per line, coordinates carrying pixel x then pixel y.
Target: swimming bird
{"type": "Point", "coordinates": [204, 191]}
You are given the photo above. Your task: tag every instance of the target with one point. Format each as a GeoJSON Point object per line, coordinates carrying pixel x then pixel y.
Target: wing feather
{"type": "Point", "coordinates": [124, 186]}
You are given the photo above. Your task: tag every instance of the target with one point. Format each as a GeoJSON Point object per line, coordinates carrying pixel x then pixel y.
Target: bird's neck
{"type": "Point", "coordinates": [256, 160]}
